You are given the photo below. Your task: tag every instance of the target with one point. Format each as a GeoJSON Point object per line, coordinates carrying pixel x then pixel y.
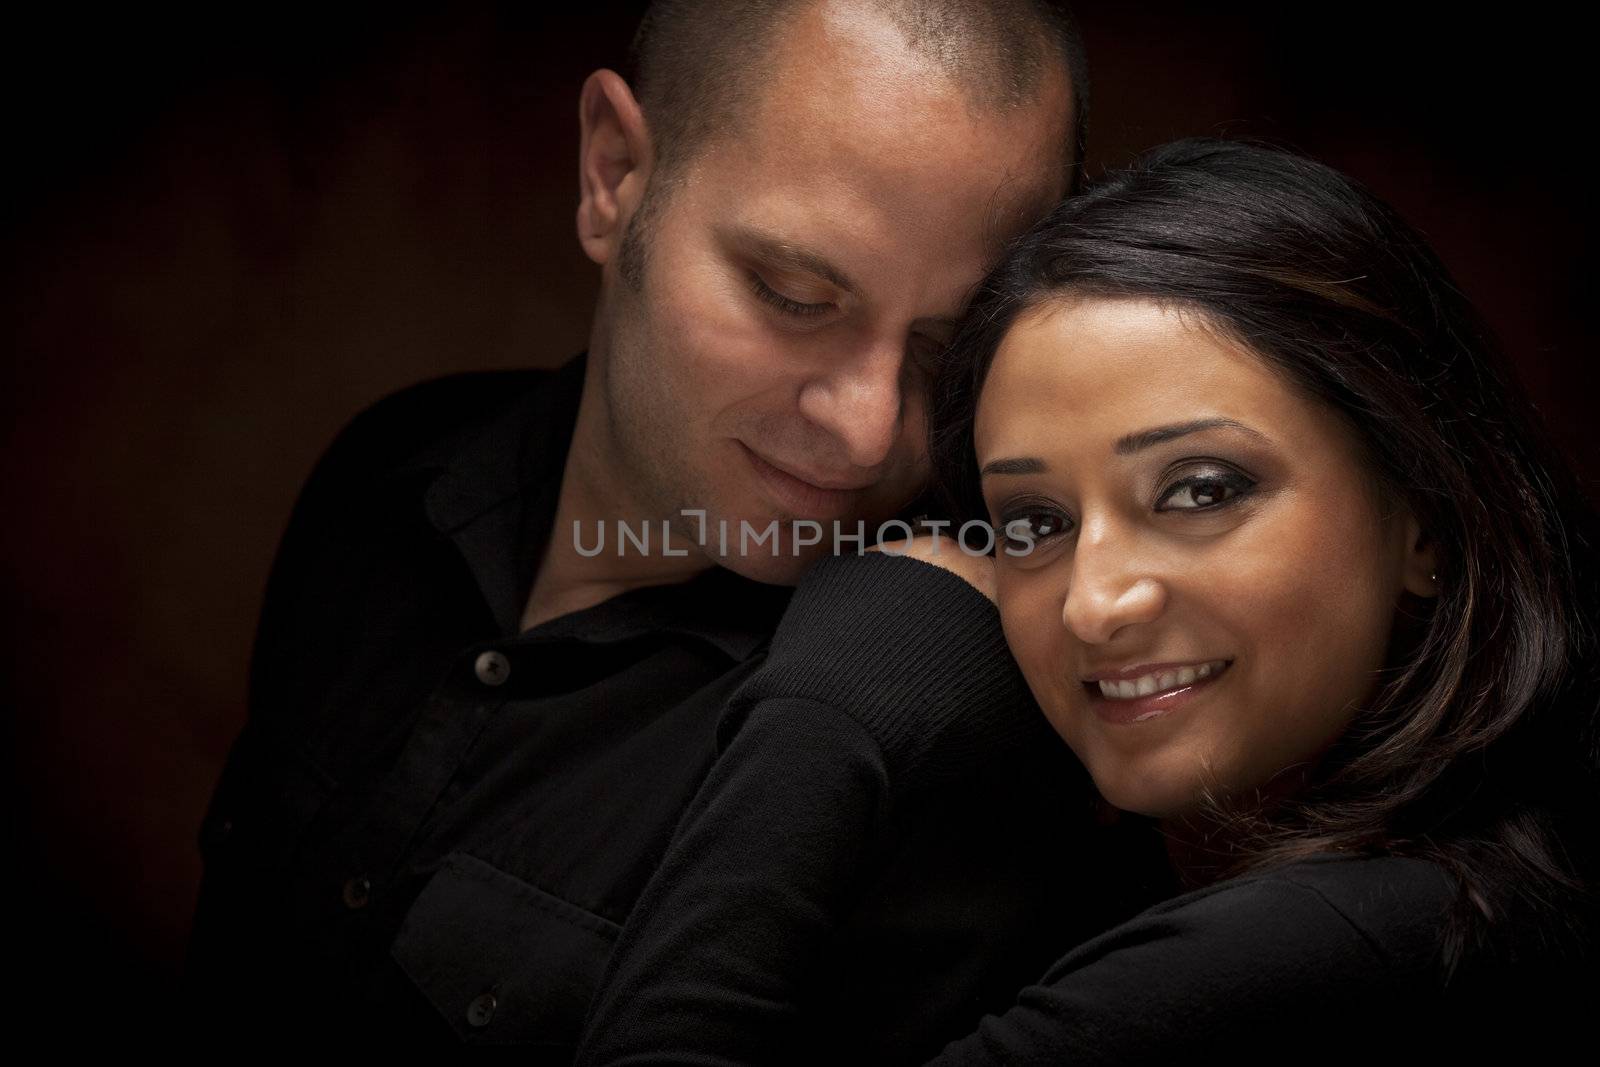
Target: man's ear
{"type": "Point", "coordinates": [1420, 573]}
{"type": "Point", "coordinates": [614, 158]}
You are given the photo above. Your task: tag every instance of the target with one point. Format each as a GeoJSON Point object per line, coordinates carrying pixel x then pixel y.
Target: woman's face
{"type": "Point", "coordinates": [1213, 573]}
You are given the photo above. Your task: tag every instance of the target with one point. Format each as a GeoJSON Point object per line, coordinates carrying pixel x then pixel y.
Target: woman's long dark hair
{"type": "Point", "coordinates": [1479, 749]}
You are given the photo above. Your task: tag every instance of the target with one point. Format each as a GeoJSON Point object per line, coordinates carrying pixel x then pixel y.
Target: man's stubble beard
{"type": "Point", "coordinates": [649, 436]}
{"type": "Point", "coordinates": [646, 433]}
{"type": "Point", "coordinates": [665, 471]}
{"type": "Point", "coordinates": [648, 440]}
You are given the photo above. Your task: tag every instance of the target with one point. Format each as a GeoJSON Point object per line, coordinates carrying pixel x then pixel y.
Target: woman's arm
{"type": "Point", "coordinates": [709, 962]}
{"type": "Point", "coordinates": [887, 678]}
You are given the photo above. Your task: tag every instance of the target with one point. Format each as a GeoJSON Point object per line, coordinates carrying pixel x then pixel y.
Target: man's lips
{"type": "Point", "coordinates": [799, 493]}
{"type": "Point", "coordinates": [814, 481]}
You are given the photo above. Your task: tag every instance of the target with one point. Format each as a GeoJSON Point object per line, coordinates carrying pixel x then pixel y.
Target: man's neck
{"type": "Point", "coordinates": [591, 510]}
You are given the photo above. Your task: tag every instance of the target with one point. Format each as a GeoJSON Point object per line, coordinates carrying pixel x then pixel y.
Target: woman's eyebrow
{"type": "Point", "coordinates": [1016, 465]}
{"type": "Point", "coordinates": [1130, 443]}
{"type": "Point", "coordinates": [1133, 442]}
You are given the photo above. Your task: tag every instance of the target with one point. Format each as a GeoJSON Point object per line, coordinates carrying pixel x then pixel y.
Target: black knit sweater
{"type": "Point", "coordinates": [888, 684]}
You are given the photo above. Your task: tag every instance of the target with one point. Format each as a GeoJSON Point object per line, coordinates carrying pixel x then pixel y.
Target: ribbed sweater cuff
{"type": "Point", "coordinates": [909, 650]}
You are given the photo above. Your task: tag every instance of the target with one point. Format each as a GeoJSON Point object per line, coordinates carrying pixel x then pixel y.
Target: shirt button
{"type": "Point", "coordinates": [357, 891]}
{"type": "Point", "coordinates": [492, 668]}
{"type": "Point", "coordinates": [481, 1010]}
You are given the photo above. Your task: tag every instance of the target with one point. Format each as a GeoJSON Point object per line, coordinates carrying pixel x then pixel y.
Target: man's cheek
{"type": "Point", "coordinates": [725, 349]}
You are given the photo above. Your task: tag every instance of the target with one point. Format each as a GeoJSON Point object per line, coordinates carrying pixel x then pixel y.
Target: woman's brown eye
{"type": "Point", "coordinates": [1203, 491]}
{"type": "Point", "coordinates": [1033, 525]}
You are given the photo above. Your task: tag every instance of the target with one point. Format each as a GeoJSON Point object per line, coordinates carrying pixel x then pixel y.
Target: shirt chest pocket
{"type": "Point", "coordinates": [502, 961]}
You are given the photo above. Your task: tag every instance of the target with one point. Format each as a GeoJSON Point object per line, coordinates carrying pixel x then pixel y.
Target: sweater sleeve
{"type": "Point", "coordinates": [1323, 957]}
{"type": "Point", "coordinates": [882, 680]}
{"type": "Point", "coordinates": [912, 654]}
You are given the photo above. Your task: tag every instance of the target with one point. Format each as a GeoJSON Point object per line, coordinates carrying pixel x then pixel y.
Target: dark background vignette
{"type": "Point", "coordinates": [228, 231]}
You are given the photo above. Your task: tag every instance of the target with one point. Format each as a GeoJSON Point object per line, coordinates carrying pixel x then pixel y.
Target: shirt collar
{"type": "Point", "coordinates": [493, 492]}
{"type": "Point", "coordinates": [728, 611]}
{"type": "Point", "coordinates": [493, 480]}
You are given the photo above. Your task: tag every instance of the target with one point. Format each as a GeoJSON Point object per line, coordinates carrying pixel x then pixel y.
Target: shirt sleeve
{"type": "Point", "coordinates": [910, 652]}
{"type": "Point", "coordinates": [887, 677]}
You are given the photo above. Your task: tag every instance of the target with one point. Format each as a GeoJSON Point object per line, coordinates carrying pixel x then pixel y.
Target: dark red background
{"type": "Point", "coordinates": [224, 237]}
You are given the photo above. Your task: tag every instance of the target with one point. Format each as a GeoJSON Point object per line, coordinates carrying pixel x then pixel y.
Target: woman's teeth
{"type": "Point", "coordinates": [1159, 682]}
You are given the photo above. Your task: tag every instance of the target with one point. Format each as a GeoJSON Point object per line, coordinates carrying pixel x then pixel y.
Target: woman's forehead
{"type": "Point", "coordinates": [1086, 371]}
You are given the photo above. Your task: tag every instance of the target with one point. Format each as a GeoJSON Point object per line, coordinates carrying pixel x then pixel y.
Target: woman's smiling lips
{"type": "Point", "coordinates": [1133, 694]}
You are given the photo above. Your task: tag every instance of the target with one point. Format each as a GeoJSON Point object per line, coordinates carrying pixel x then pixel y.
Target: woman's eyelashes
{"type": "Point", "coordinates": [1026, 523]}
{"type": "Point", "coordinates": [787, 305]}
{"type": "Point", "coordinates": [1203, 489]}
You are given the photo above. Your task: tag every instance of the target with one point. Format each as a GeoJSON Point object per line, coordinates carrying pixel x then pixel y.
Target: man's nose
{"type": "Point", "coordinates": [1112, 586]}
{"type": "Point", "coordinates": [860, 401]}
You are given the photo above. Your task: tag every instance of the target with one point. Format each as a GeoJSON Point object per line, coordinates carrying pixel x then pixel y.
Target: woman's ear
{"type": "Point", "coordinates": [1420, 574]}
{"type": "Point", "coordinates": [614, 158]}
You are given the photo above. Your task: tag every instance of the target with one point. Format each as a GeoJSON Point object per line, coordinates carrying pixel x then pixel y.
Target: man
{"type": "Point", "coordinates": [471, 736]}
{"type": "Point", "coordinates": [782, 250]}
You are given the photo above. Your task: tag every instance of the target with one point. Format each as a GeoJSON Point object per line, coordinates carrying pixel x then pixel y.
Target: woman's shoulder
{"type": "Point", "coordinates": [1372, 895]}
{"type": "Point", "coordinates": [1396, 908]}
{"type": "Point", "coordinates": [1375, 894]}
{"type": "Point", "coordinates": [1341, 947]}
{"type": "Point", "coordinates": [1354, 916]}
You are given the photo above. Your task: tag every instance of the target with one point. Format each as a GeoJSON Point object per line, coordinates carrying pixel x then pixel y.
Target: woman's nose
{"type": "Point", "coordinates": [1109, 590]}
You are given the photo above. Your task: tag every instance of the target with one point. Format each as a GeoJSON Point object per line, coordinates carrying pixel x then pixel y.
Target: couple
{"type": "Point", "coordinates": [1278, 561]}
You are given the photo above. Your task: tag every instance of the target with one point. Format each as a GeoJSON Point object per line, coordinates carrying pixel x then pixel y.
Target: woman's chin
{"type": "Point", "coordinates": [1142, 796]}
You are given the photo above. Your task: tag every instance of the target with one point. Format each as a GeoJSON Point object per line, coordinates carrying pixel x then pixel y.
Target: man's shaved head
{"type": "Point", "coordinates": [698, 64]}
{"type": "Point", "coordinates": [700, 67]}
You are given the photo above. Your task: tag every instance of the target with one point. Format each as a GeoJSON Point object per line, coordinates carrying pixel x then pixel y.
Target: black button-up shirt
{"type": "Point", "coordinates": [434, 826]}
{"type": "Point", "coordinates": [422, 795]}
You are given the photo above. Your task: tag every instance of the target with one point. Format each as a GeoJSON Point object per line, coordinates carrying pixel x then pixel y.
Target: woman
{"type": "Point", "coordinates": [1284, 565]}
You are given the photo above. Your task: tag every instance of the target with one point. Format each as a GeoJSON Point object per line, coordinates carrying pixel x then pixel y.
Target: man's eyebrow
{"type": "Point", "coordinates": [781, 253]}
{"type": "Point", "coordinates": [1133, 442]}
{"type": "Point", "coordinates": [1016, 465]}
